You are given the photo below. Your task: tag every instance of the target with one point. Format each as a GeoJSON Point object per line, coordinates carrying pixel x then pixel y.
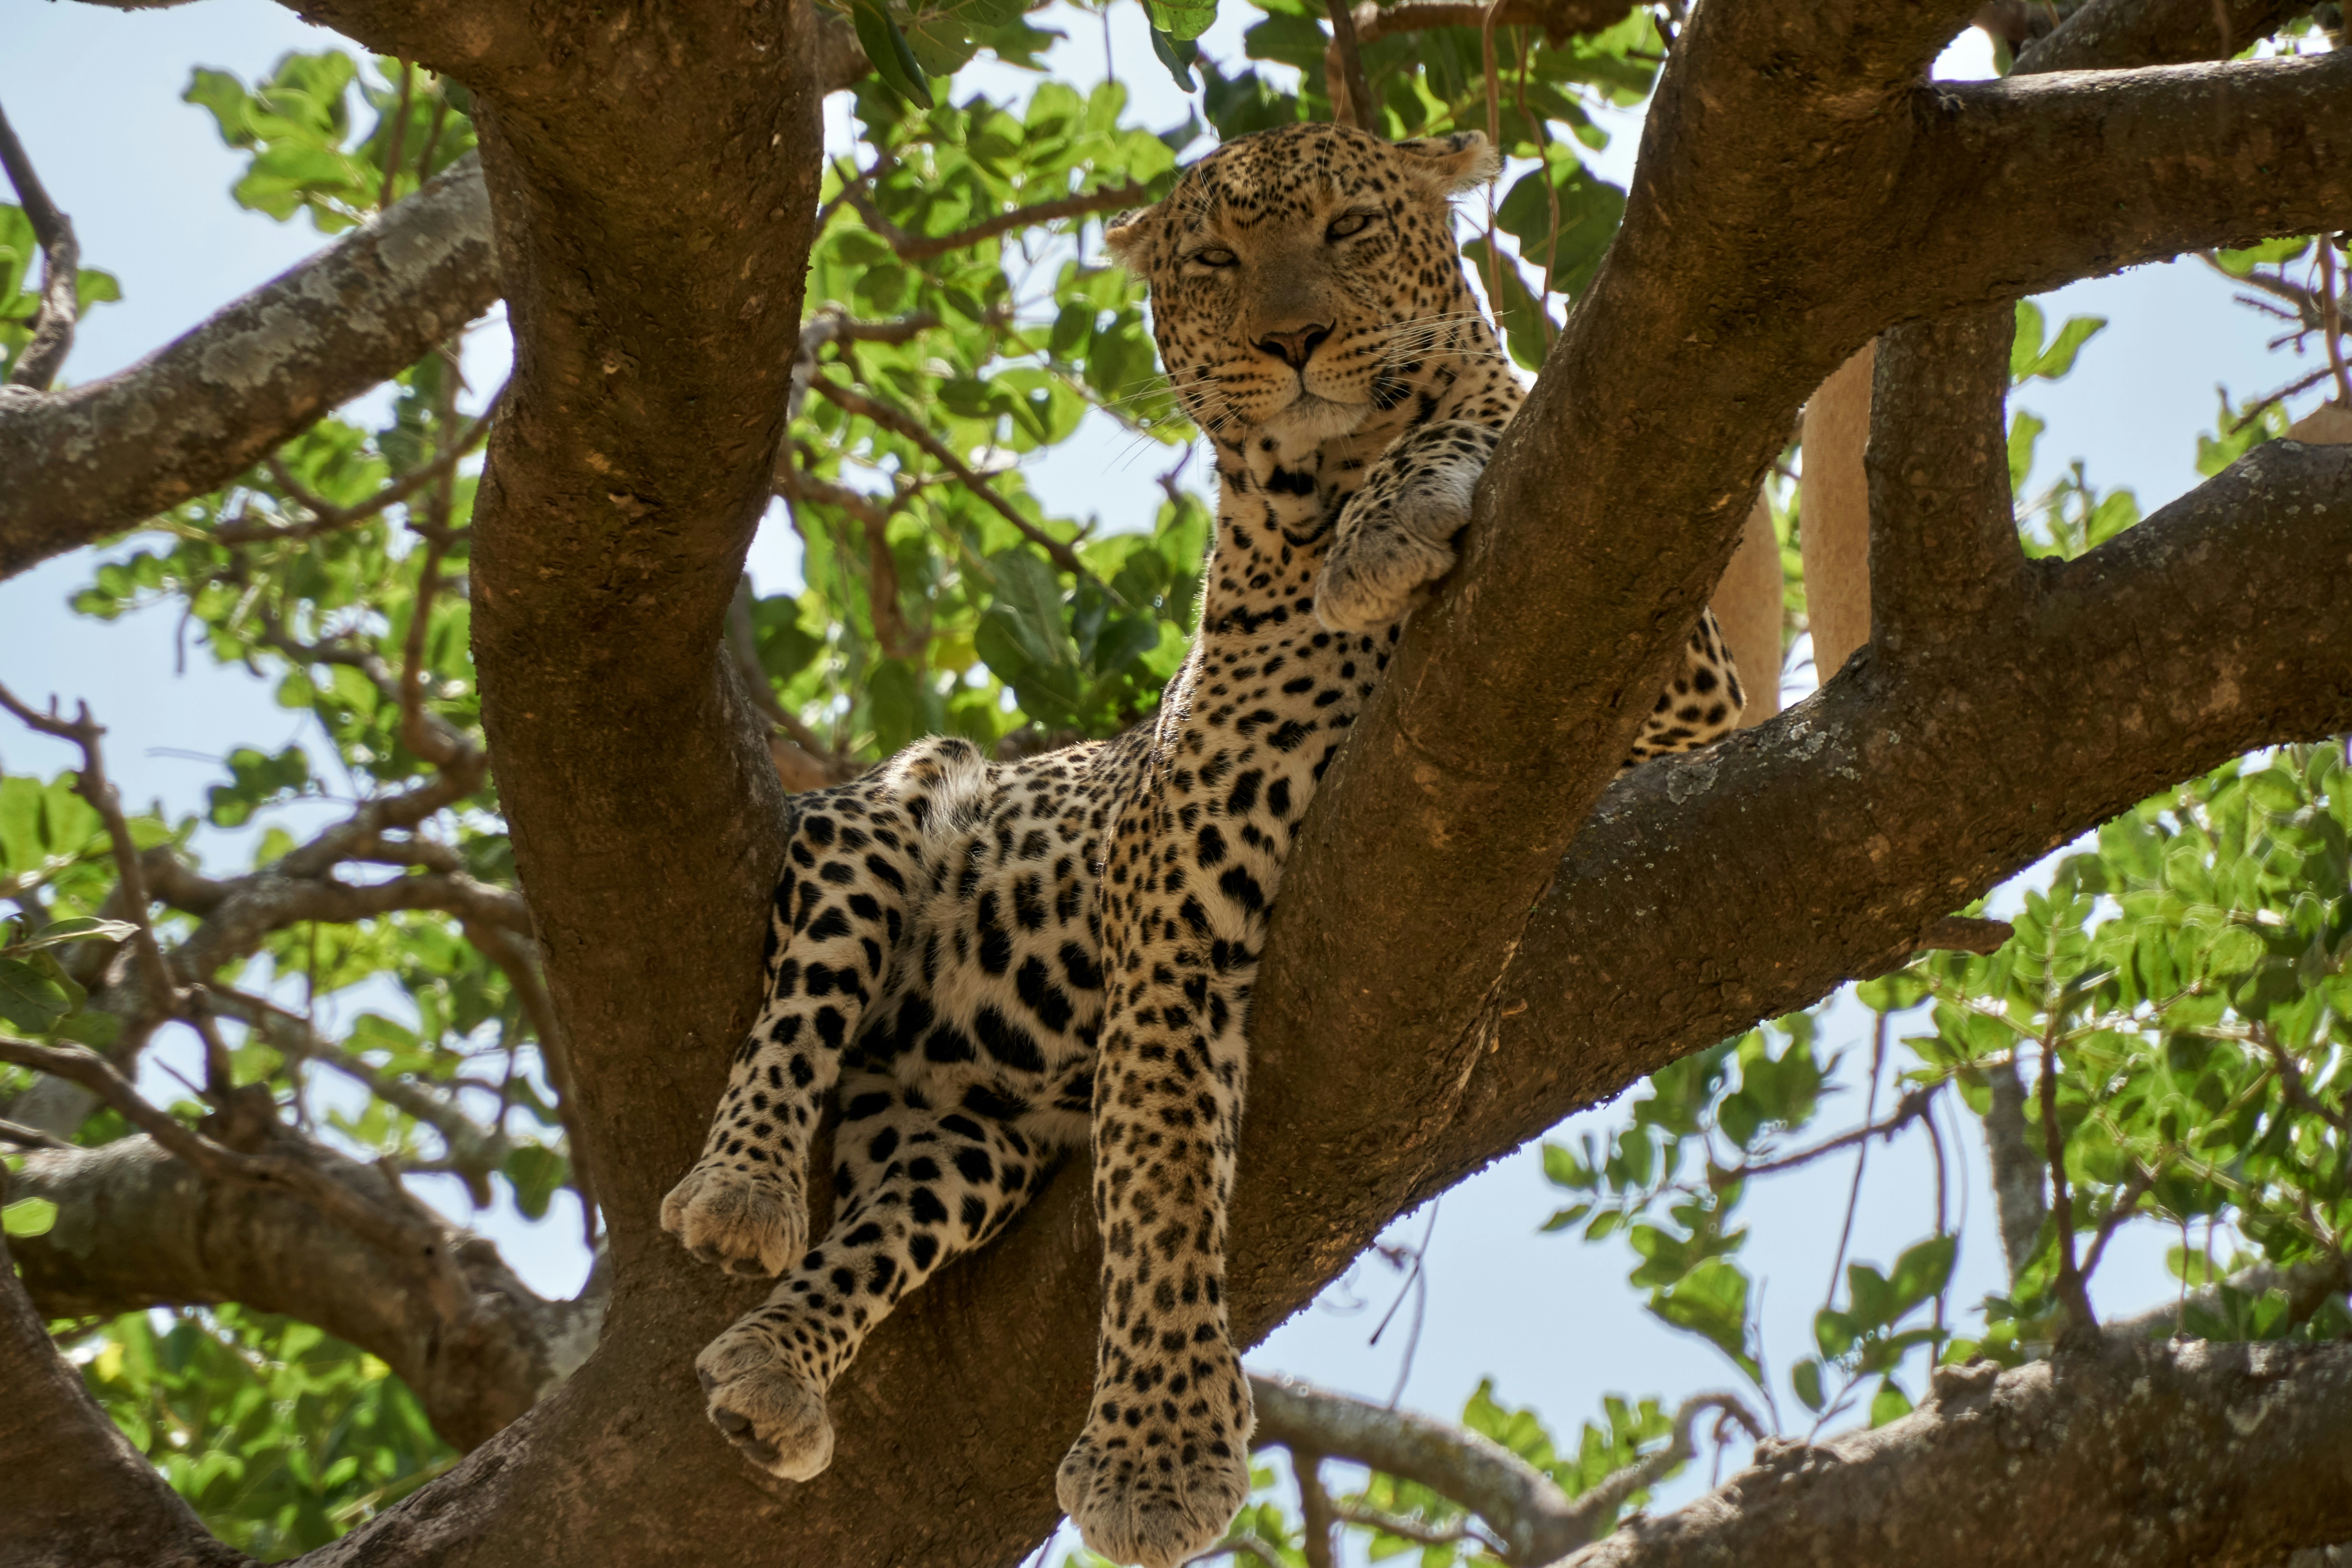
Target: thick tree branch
{"type": "Point", "coordinates": [396, 1227]}
{"type": "Point", "coordinates": [2134, 165]}
{"type": "Point", "coordinates": [2307, 1285]}
{"type": "Point", "coordinates": [2019, 1172]}
{"type": "Point", "coordinates": [2140, 1456]}
{"type": "Point", "coordinates": [78, 1493]}
{"type": "Point", "coordinates": [2144, 662]}
{"type": "Point", "coordinates": [138, 1226]}
{"type": "Point", "coordinates": [78, 465]}
{"type": "Point", "coordinates": [2114, 35]}
{"type": "Point", "coordinates": [1943, 527]}
{"type": "Point", "coordinates": [1533, 1520]}
{"type": "Point", "coordinates": [53, 326]}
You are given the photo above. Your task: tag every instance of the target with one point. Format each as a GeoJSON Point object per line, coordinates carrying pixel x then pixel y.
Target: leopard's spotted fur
{"type": "Point", "coordinates": [987, 963]}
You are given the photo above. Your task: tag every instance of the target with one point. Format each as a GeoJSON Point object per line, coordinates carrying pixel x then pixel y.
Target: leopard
{"type": "Point", "coordinates": [990, 965]}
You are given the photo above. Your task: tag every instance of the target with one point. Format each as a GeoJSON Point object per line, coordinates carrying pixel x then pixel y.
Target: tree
{"type": "Point", "coordinates": [650, 198]}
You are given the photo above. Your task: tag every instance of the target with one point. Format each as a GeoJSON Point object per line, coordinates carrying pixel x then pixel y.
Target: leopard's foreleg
{"type": "Point", "coordinates": [1164, 1462]}
{"type": "Point", "coordinates": [1395, 535]}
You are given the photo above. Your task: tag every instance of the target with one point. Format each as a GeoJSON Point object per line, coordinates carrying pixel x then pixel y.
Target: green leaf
{"type": "Point", "coordinates": [1176, 55]}
{"type": "Point", "coordinates": [886, 46]}
{"type": "Point", "coordinates": [1805, 1377]}
{"type": "Point", "coordinates": [30, 997]}
{"type": "Point", "coordinates": [2030, 357]}
{"type": "Point", "coordinates": [1182, 20]}
{"type": "Point", "coordinates": [28, 1216]}
{"type": "Point", "coordinates": [88, 1027]}
{"type": "Point", "coordinates": [2269, 252]}
{"type": "Point", "coordinates": [535, 1171]}
{"type": "Point", "coordinates": [1922, 1271]}
{"type": "Point", "coordinates": [1711, 1301]}
{"type": "Point", "coordinates": [1889, 1404]}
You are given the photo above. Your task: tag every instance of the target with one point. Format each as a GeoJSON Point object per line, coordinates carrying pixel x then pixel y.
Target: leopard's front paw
{"type": "Point", "coordinates": [752, 1223]}
{"type": "Point", "coordinates": [1165, 1488]}
{"type": "Point", "coordinates": [764, 1404]}
{"type": "Point", "coordinates": [1386, 553]}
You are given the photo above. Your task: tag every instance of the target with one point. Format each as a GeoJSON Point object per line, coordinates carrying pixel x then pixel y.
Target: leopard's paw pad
{"type": "Point", "coordinates": [764, 1402]}
{"type": "Point", "coordinates": [751, 1223]}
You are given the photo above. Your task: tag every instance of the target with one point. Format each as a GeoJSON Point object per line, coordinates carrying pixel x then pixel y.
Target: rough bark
{"type": "Point", "coordinates": [2019, 1171]}
{"type": "Point", "coordinates": [137, 1227]}
{"type": "Point", "coordinates": [2134, 1456]}
{"type": "Point", "coordinates": [79, 1496]}
{"type": "Point", "coordinates": [95, 459]}
{"type": "Point", "coordinates": [85, 462]}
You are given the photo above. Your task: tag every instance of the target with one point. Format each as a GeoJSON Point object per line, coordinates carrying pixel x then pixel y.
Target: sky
{"type": "Point", "coordinates": [95, 96]}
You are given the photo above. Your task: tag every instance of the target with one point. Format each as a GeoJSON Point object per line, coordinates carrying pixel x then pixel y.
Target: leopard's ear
{"type": "Point", "coordinates": [1128, 236]}
{"type": "Point", "coordinates": [1461, 162]}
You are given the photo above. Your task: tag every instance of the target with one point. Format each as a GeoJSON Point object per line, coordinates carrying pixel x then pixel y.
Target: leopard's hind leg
{"type": "Point", "coordinates": [916, 1186]}
{"type": "Point", "coordinates": [840, 906]}
{"type": "Point", "coordinates": [1700, 706]}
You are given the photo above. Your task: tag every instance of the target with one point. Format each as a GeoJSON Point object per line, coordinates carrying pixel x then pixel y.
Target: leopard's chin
{"type": "Point", "coordinates": [1310, 417]}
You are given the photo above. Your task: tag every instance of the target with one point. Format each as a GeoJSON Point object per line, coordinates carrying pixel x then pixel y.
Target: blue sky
{"type": "Point", "coordinates": [95, 94]}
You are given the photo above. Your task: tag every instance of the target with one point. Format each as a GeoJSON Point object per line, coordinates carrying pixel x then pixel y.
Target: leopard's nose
{"type": "Point", "coordinates": [1293, 347]}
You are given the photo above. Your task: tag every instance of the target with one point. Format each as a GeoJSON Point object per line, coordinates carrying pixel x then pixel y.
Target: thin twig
{"type": "Point", "coordinates": [30, 1137]}
{"type": "Point", "coordinates": [1862, 1156]}
{"type": "Point", "coordinates": [1350, 91]}
{"type": "Point", "coordinates": [2291, 1081]}
{"type": "Point", "coordinates": [2073, 1297]}
{"type": "Point", "coordinates": [1558, 21]}
{"type": "Point", "coordinates": [1611, 1493]}
{"type": "Point", "coordinates": [923, 247]}
{"type": "Point", "coordinates": [1936, 1141]}
{"type": "Point", "coordinates": [474, 1151]}
{"type": "Point", "coordinates": [53, 326]}
{"type": "Point", "coordinates": [905, 424]}
{"type": "Point", "coordinates": [2331, 320]}
{"type": "Point", "coordinates": [1415, 1529]}
{"type": "Point", "coordinates": [2136, 1186]}
{"type": "Point", "coordinates": [1494, 141]}
{"type": "Point", "coordinates": [1258, 1549]}
{"type": "Point", "coordinates": [326, 517]}
{"type": "Point", "coordinates": [433, 742]}
{"type": "Point", "coordinates": [518, 964]}
{"type": "Point", "coordinates": [433, 134]}
{"type": "Point", "coordinates": [93, 784]}
{"type": "Point", "coordinates": [1909, 1109]}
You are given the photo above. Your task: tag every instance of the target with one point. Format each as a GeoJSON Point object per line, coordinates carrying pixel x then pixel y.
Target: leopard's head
{"type": "Point", "coordinates": [1303, 277]}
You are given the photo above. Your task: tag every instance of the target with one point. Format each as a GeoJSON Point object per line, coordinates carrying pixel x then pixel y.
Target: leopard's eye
{"type": "Point", "coordinates": [1214, 256]}
{"type": "Point", "coordinates": [1347, 224]}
